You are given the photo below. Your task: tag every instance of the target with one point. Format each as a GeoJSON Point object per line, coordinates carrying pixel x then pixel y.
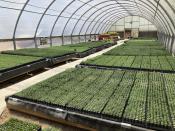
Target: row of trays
{"type": "Point", "coordinates": [9, 73]}
{"type": "Point", "coordinates": [82, 65]}
{"type": "Point", "coordinates": [80, 116]}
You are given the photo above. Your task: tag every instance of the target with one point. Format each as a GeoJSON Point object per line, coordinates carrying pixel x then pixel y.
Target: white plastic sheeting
{"type": "Point", "coordinates": [91, 14]}
{"type": "Point", "coordinates": [48, 18]}
{"type": "Point", "coordinates": [133, 22]}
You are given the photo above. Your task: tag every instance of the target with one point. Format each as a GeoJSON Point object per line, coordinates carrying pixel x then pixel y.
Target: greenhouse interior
{"type": "Point", "coordinates": [87, 65]}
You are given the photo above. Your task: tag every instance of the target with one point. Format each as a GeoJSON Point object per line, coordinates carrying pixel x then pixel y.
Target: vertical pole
{"type": "Point", "coordinates": [16, 24]}
{"type": "Point", "coordinates": [62, 39]}
{"type": "Point", "coordinates": [124, 29]}
{"type": "Point", "coordinates": [71, 39]}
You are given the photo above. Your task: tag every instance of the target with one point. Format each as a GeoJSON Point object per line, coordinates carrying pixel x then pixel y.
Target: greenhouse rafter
{"type": "Point", "coordinates": [83, 17]}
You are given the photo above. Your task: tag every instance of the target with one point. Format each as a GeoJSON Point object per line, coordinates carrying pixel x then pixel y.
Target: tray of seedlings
{"type": "Point", "coordinates": [60, 54]}
{"type": "Point", "coordinates": [153, 58]}
{"type": "Point", "coordinates": [17, 125]}
{"type": "Point", "coordinates": [81, 95]}
{"type": "Point", "coordinates": [12, 66]}
{"type": "Point", "coordinates": [93, 48]}
{"type": "Point", "coordinates": [53, 54]}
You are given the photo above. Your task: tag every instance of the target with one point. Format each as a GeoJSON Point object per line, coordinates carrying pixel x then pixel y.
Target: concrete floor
{"type": "Point", "coordinates": [43, 76]}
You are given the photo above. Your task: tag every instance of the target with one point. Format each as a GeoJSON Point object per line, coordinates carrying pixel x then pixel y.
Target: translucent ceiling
{"type": "Point", "coordinates": [47, 18]}
{"type": "Point", "coordinates": [133, 22]}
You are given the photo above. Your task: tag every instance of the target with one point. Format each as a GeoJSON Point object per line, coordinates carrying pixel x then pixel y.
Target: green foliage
{"type": "Point", "coordinates": [40, 52]}
{"type": "Point", "coordinates": [144, 54]}
{"type": "Point", "coordinates": [134, 95]}
{"type": "Point", "coordinates": [157, 107]}
{"type": "Point", "coordinates": [17, 125]}
{"type": "Point", "coordinates": [139, 48]}
{"type": "Point", "coordinates": [7, 61]}
{"type": "Point", "coordinates": [56, 50]}
{"type": "Point", "coordinates": [143, 62]}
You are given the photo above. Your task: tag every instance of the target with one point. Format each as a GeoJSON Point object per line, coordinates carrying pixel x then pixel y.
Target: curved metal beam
{"type": "Point", "coordinates": [53, 1]}
{"type": "Point", "coordinates": [116, 16]}
{"type": "Point", "coordinates": [105, 12]}
{"type": "Point", "coordinates": [87, 12]}
{"type": "Point", "coordinates": [151, 11]}
{"type": "Point", "coordinates": [95, 13]}
{"type": "Point", "coordinates": [107, 27]}
{"type": "Point", "coordinates": [160, 16]}
{"type": "Point", "coordinates": [71, 18]}
{"type": "Point", "coordinates": [16, 25]}
{"type": "Point", "coordinates": [142, 16]}
{"type": "Point", "coordinates": [104, 28]}
{"type": "Point", "coordinates": [98, 25]}
{"type": "Point", "coordinates": [51, 33]}
{"type": "Point", "coordinates": [117, 13]}
{"type": "Point", "coordinates": [157, 25]}
{"type": "Point", "coordinates": [161, 22]}
{"type": "Point", "coordinates": [169, 17]}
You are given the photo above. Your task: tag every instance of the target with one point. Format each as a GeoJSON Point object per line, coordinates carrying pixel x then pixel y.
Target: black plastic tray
{"type": "Point", "coordinates": [82, 65]}
{"type": "Point", "coordinates": [93, 50]}
{"type": "Point", "coordinates": [32, 105]}
{"type": "Point", "coordinates": [58, 59]}
{"type": "Point", "coordinates": [13, 72]}
{"type": "Point", "coordinates": [16, 71]}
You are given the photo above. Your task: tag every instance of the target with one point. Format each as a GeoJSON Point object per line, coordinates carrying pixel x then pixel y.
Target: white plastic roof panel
{"type": "Point", "coordinates": [59, 26]}
{"type": "Point", "coordinates": [58, 6]}
{"type": "Point", "coordinates": [69, 27]}
{"type": "Point", "coordinates": [46, 26]}
{"type": "Point", "coordinates": [100, 19]}
{"type": "Point", "coordinates": [7, 26]}
{"type": "Point", "coordinates": [47, 18]}
{"type": "Point", "coordinates": [12, 4]}
{"type": "Point", "coordinates": [27, 30]}
{"type": "Point", "coordinates": [133, 22]}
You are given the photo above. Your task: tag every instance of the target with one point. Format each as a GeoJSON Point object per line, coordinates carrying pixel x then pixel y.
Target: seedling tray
{"type": "Point", "coordinates": [93, 50]}
{"type": "Point", "coordinates": [58, 59]}
{"type": "Point", "coordinates": [88, 118]}
{"type": "Point", "coordinates": [13, 72]}
{"type": "Point", "coordinates": [86, 53]}
{"type": "Point", "coordinates": [82, 65]}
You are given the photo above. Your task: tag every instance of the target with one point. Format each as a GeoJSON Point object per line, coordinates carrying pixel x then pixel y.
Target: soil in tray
{"type": "Point", "coordinates": [8, 61]}
{"type": "Point", "coordinates": [119, 94]}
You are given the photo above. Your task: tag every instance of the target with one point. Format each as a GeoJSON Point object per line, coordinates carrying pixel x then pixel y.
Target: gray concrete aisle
{"type": "Point", "coordinates": [43, 76]}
